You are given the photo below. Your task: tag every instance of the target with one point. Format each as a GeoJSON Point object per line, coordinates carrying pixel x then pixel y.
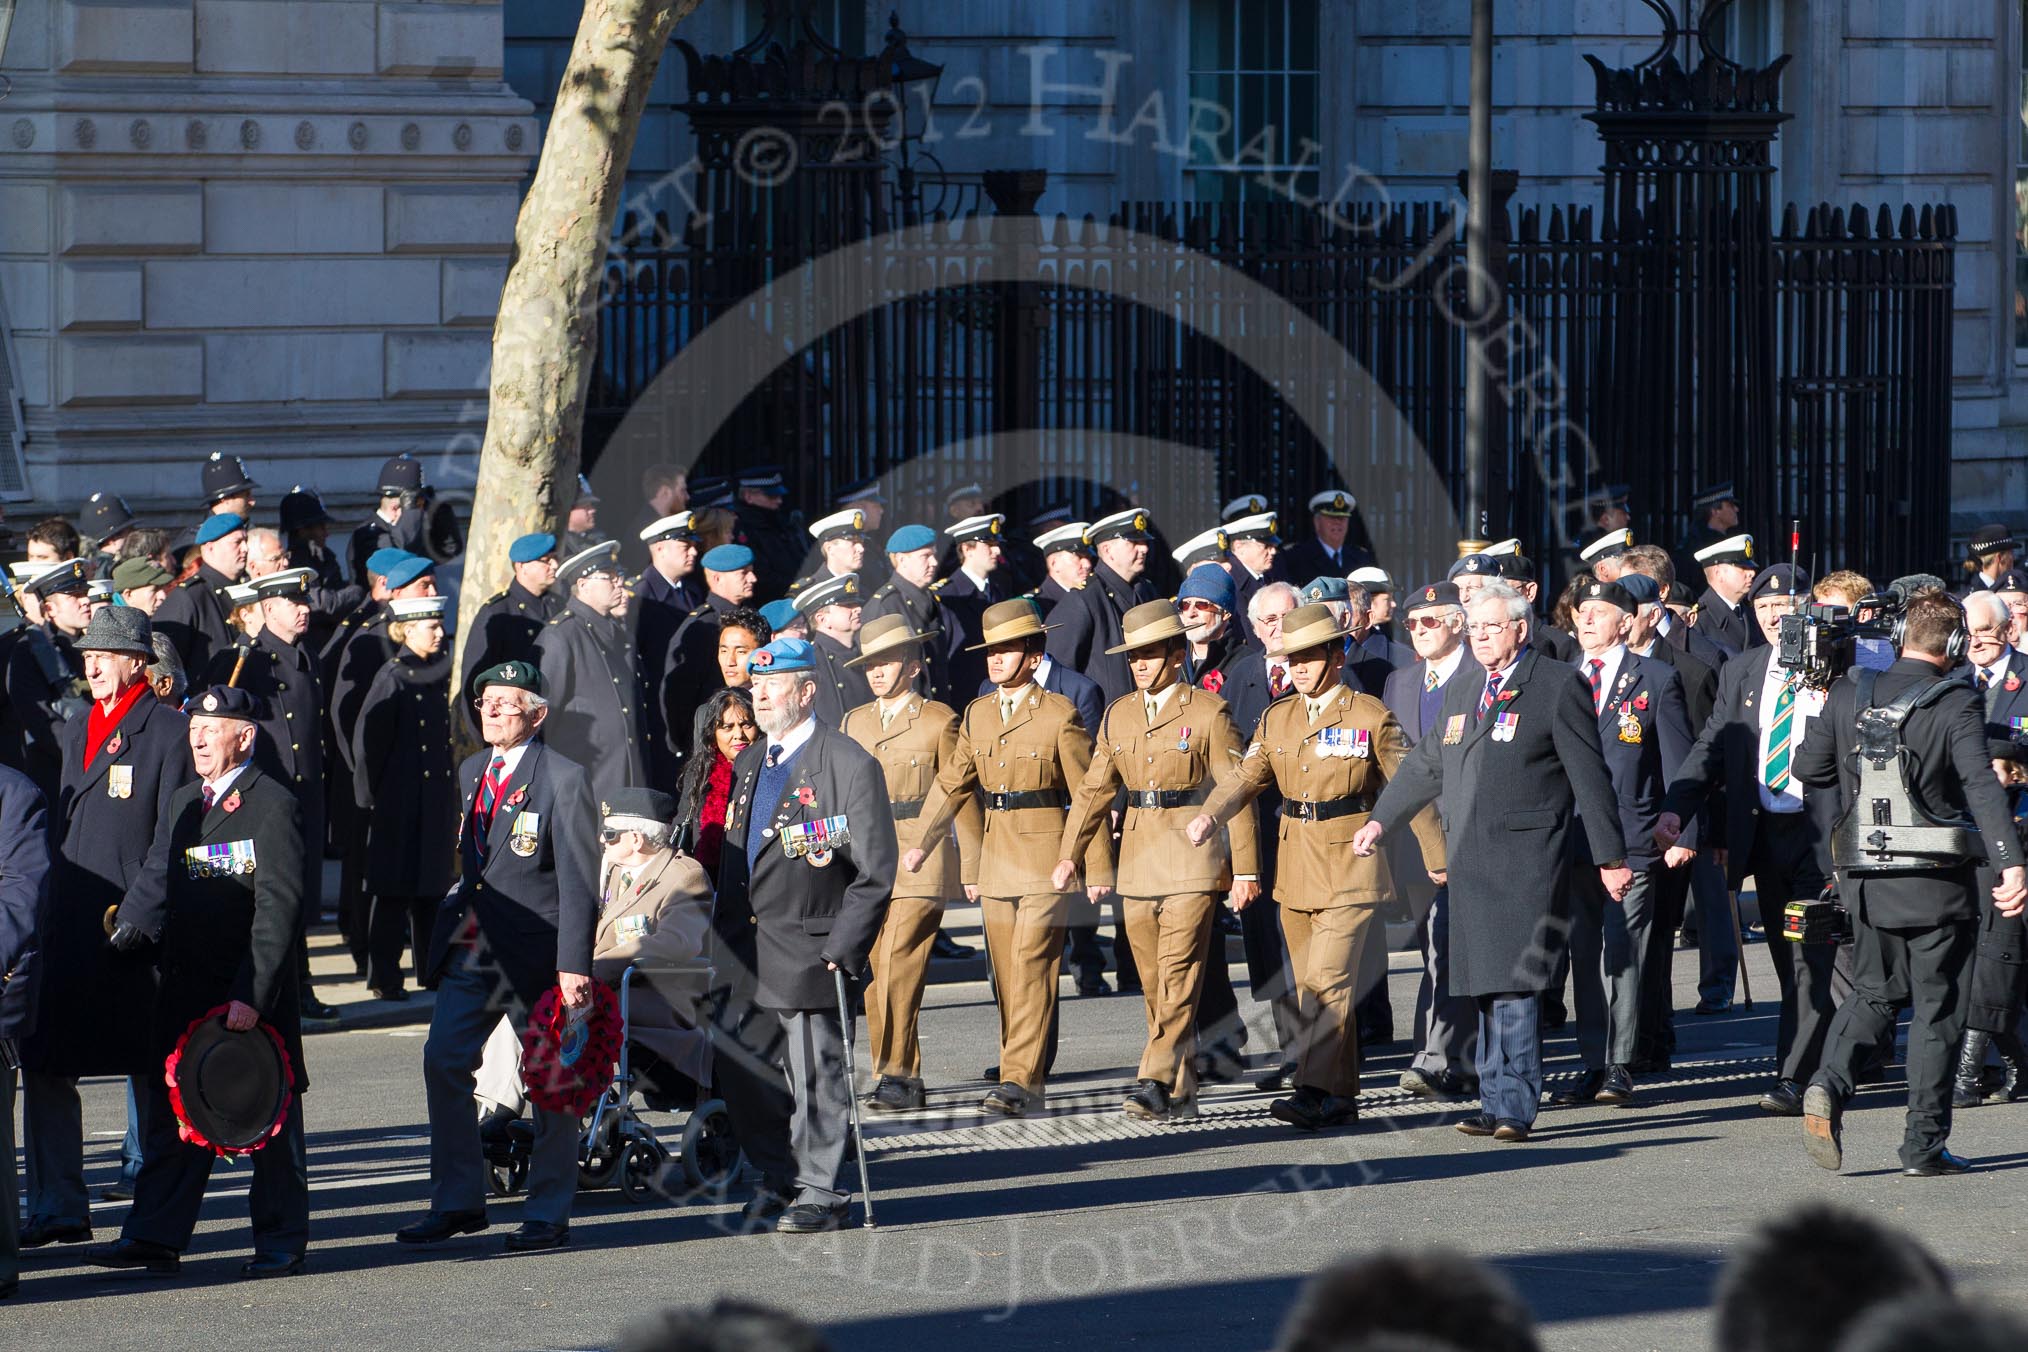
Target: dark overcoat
{"type": "Point", "coordinates": [587, 663]}
{"type": "Point", "coordinates": [406, 783]}
{"type": "Point", "coordinates": [1507, 807]}
{"type": "Point", "coordinates": [840, 689]}
{"type": "Point", "coordinates": [193, 616]}
{"type": "Point", "coordinates": [926, 615]}
{"type": "Point", "coordinates": [1087, 622]}
{"type": "Point", "coordinates": [291, 742]}
{"type": "Point", "coordinates": [24, 876]}
{"type": "Point", "coordinates": [112, 832]}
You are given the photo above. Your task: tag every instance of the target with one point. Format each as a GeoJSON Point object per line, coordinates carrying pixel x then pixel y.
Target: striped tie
{"type": "Point", "coordinates": [1492, 693]}
{"type": "Point", "coordinates": [1597, 666]}
{"type": "Point", "coordinates": [488, 799]}
{"type": "Point", "coordinates": [1775, 770]}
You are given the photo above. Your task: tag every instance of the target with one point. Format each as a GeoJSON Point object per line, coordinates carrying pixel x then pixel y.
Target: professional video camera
{"type": "Point", "coordinates": [1818, 641]}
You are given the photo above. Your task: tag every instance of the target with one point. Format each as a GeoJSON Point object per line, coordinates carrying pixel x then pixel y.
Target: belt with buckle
{"type": "Point", "coordinates": [1154, 798]}
{"type": "Point", "coordinates": [1329, 809]}
{"type": "Point", "coordinates": [1010, 802]}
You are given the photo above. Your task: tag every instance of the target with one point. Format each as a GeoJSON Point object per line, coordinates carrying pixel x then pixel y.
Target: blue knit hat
{"type": "Point", "coordinates": [1209, 583]}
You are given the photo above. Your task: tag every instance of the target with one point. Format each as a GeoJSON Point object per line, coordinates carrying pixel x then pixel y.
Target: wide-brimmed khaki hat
{"type": "Point", "coordinates": [1310, 626]}
{"type": "Point", "coordinates": [1149, 622]}
{"type": "Point", "coordinates": [1007, 621]}
{"type": "Point", "coordinates": [884, 635]}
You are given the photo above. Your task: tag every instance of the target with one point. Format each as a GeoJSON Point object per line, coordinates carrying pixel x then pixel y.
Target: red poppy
{"type": "Point", "coordinates": [1212, 680]}
{"type": "Point", "coordinates": [1641, 700]}
{"type": "Point", "coordinates": [231, 803]}
{"type": "Point", "coordinates": [2012, 683]}
{"type": "Point", "coordinates": [518, 797]}
{"type": "Point", "coordinates": [806, 795]}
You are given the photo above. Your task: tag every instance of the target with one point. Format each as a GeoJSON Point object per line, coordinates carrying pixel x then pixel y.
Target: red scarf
{"type": "Point", "coordinates": [711, 818]}
{"type": "Point", "coordinates": [99, 724]}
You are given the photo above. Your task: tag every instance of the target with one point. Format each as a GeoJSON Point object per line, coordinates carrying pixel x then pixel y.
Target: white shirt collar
{"type": "Point", "coordinates": [978, 579]}
{"type": "Point", "coordinates": [1447, 667]}
{"type": "Point", "coordinates": [792, 740]}
{"type": "Point", "coordinates": [1042, 671]}
{"type": "Point", "coordinates": [1613, 658]}
{"type": "Point", "coordinates": [1998, 671]}
{"type": "Point", "coordinates": [223, 782]}
{"type": "Point", "coordinates": [512, 757]}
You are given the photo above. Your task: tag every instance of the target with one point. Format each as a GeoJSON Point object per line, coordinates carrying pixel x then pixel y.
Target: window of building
{"type": "Point", "coordinates": [842, 23]}
{"type": "Point", "coordinates": [1259, 62]}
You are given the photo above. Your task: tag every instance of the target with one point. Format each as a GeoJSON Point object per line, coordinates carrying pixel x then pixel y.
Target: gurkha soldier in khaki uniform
{"type": "Point", "coordinates": [1166, 745]}
{"type": "Point", "coordinates": [1330, 751]}
{"type": "Point", "coordinates": [1020, 750]}
{"type": "Point", "coordinates": [913, 738]}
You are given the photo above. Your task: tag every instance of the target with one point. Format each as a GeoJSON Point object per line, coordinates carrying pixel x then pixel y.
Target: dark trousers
{"type": "Point", "coordinates": [1446, 1025]}
{"type": "Point", "coordinates": [1609, 955]}
{"type": "Point", "coordinates": [354, 903]}
{"type": "Point", "coordinates": [1924, 969]}
{"type": "Point", "coordinates": [1785, 868]}
{"type": "Point", "coordinates": [170, 1189]}
{"type": "Point", "coordinates": [397, 923]}
{"type": "Point", "coordinates": [10, 1215]}
{"type": "Point", "coordinates": [1510, 1056]}
{"type": "Point", "coordinates": [747, 1046]}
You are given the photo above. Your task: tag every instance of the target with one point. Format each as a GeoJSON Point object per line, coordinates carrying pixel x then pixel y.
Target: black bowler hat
{"type": "Point", "coordinates": [225, 476]}
{"type": "Point", "coordinates": [230, 1091]}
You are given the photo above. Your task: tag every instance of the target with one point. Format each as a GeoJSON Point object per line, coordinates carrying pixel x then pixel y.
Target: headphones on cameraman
{"type": "Point", "coordinates": [1954, 647]}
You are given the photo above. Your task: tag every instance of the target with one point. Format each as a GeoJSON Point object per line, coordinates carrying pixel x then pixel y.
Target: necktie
{"type": "Point", "coordinates": [1492, 693]}
{"type": "Point", "coordinates": [1597, 670]}
{"type": "Point", "coordinates": [488, 798]}
{"type": "Point", "coordinates": [1429, 680]}
{"type": "Point", "coordinates": [1985, 678]}
{"type": "Point", "coordinates": [209, 794]}
{"type": "Point", "coordinates": [1151, 704]}
{"type": "Point", "coordinates": [774, 757]}
{"type": "Point", "coordinates": [1278, 681]}
{"type": "Point", "coordinates": [1006, 709]}
{"type": "Point", "coordinates": [1775, 769]}
{"type": "Point", "coordinates": [1315, 708]}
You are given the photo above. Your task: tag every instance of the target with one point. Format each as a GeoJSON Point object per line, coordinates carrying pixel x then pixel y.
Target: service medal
{"type": "Point", "coordinates": [119, 781]}
{"type": "Point", "coordinates": [1454, 730]}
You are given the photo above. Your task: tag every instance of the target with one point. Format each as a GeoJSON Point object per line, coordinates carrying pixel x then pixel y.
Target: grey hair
{"type": "Point", "coordinates": [270, 535]}
{"type": "Point", "coordinates": [168, 663]}
{"type": "Point", "coordinates": [1358, 596]}
{"type": "Point", "coordinates": [1515, 604]}
{"type": "Point", "coordinates": [1997, 610]}
{"type": "Point", "coordinates": [656, 838]}
{"type": "Point", "coordinates": [1260, 598]}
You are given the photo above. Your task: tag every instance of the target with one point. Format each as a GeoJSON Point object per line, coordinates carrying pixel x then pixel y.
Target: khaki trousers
{"type": "Point", "coordinates": [900, 962]}
{"type": "Point", "coordinates": [1325, 948]}
{"type": "Point", "coordinates": [1024, 940]}
{"type": "Point", "coordinates": [1171, 937]}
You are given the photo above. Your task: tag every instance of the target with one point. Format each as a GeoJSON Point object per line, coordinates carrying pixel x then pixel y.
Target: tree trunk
{"type": "Point", "coordinates": [546, 332]}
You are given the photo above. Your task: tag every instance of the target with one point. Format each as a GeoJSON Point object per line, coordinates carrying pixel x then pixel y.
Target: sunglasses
{"type": "Point", "coordinates": [609, 835]}
{"type": "Point", "coordinates": [1426, 621]}
{"type": "Point", "coordinates": [1196, 605]}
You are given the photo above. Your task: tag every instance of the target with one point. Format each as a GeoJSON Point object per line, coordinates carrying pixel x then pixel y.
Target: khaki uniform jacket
{"type": "Point", "coordinates": [1192, 746]}
{"type": "Point", "coordinates": [671, 899]}
{"type": "Point", "coordinates": [1316, 867]}
{"type": "Point", "coordinates": [1043, 748]}
{"type": "Point", "coordinates": [912, 749]}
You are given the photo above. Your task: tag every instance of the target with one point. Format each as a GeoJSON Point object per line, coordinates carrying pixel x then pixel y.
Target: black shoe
{"type": "Point", "coordinates": [263, 1265]}
{"type": "Point", "coordinates": [496, 1127]}
{"type": "Point", "coordinates": [944, 946]}
{"type": "Point", "coordinates": [117, 1192]}
{"type": "Point", "coordinates": [1149, 1101]}
{"type": "Point", "coordinates": [1584, 1091]}
{"type": "Point", "coordinates": [1823, 1131]}
{"type": "Point", "coordinates": [1479, 1124]}
{"type": "Point", "coordinates": [1435, 1084]}
{"type": "Point", "coordinates": [1555, 1014]}
{"type": "Point", "coordinates": [1092, 983]}
{"type": "Point", "coordinates": [534, 1236]}
{"type": "Point", "coordinates": [438, 1226]}
{"type": "Point", "coordinates": [1276, 1079]}
{"type": "Point", "coordinates": [393, 994]}
{"type": "Point", "coordinates": [1227, 921]}
{"type": "Point", "coordinates": [1708, 1006]}
{"type": "Point", "coordinates": [37, 1233]}
{"type": "Point", "coordinates": [1784, 1100]}
{"type": "Point", "coordinates": [1944, 1163]}
{"type": "Point", "coordinates": [1618, 1088]}
{"type": "Point", "coordinates": [1008, 1100]}
{"type": "Point", "coordinates": [9, 1288]}
{"type": "Point", "coordinates": [136, 1255]}
{"type": "Point", "coordinates": [991, 1073]}
{"type": "Point", "coordinates": [809, 1218]}
{"type": "Point", "coordinates": [1311, 1109]}
{"type": "Point", "coordinates": [895, 1095]}
{"type": "Point", "coordinates": [763, 1207]}
{"type": "Point", "coordinates": [314, 1010]}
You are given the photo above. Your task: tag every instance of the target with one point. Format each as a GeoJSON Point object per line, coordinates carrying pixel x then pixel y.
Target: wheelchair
{"type": "Point", "coordinates": [617, 1147]}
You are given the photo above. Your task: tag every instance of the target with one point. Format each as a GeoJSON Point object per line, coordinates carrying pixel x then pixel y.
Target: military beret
{"type": "Point", "coordinates": [1612, 593]}
{"type": "Point", "coordinates": [224, 701]}
{"type": "Point", "coordinates": [908, 539]}
{"type": "Point", "coordinates": [2007, 749]}
{"type": "Point", "coordinates": [529, 548]}
{"type": "Point", "coordinates": [1644, 589]}
{"type": "Point", "coordinates": [2013, 580]}
{"type": "Point", "coordinates": [1780, 579]}
{"type": "Point", "coordinates": [380, 560]}
{"type": "Point", "coordinates": [1477, 565]}
{"type": "Point", "coordinates": [1324, 589]}
{"type": "Point", "coordinates": [219, 525]}
{"type": "Point", "coordinates": [832, 591]}
{"type": "Point", "coordinates": [780, 614]}
{"type": "Point", "coordinates": [638, 810]}
{"type": "Point", "coordinates": [72, 575]}
{"type": "Point", "coordinates": [1515, 567]}
{"type": "Point", "coordinates": [1212, 584]}
{"type": "Point", "coordinates": [139, 572]}
{"type": "Point", "coordinates": [411, 567]}
{"type": "Point", "coordinates": [1431, 595]}
{"type": "Point", "coordinates": [728, 559]}
{"type": "Point", "coordinates": [781, 657]}
{"type": "Point", "coordinates": [513, 675]}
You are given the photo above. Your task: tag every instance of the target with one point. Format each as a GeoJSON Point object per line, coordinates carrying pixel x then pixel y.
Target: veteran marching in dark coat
{"type": "Point", "coordinates": [24, 868]}
{"type": "Point", "coordinates": [121, 765]}
{"type": "Point", "coordinates": [520, 920]}
{"type": "Point", "coordinates": [803, 885]}
{"type": "Point", "coordinates": [228, 939]}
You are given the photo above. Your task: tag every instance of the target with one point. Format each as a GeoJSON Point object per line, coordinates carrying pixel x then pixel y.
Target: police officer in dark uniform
{"type": "Point", "coordinates": [911, 559]}
{"type": "Point", "coordinates": [841, 539]}
{"type": "Point", "coordinates": [834, 612]}
{"type": "Point", "coordinates": [107, 520]}
{"type": "Point", "coordinates": [970, 588]}
{"type": "Point", "coordinates": [306, 530]}
{"type": "Point", "coordinates": [195, 616]}
{"type": "Point", "coordinates": [1714, 514]}
{"type": "Point", "coordinates": [586, 655]}
{"type": "Point", "coordinates": [506, 627]}
{"type": "Point", "coordinates": [398, 522]}
{"type": "Point", "coordinates": [1088, 621]}
{"type": "Point", "coordinates": [581, 528]}
{"type": "Point", "coordinates": [45, 678]}
{"type": "Point", "coordinates": [228, 488]}
{"type": "Point", "coordinates": [772, 533]}
{"type": "Point", "coordinates": [1914, 912]}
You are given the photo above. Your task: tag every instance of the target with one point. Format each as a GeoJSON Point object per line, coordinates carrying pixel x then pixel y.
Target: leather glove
{"type": "Point", "coordinates": [128, 937]}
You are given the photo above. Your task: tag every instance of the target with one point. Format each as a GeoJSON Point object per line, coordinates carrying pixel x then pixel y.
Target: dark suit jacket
{"type": "Point", "coordinates": [1087, 622]}
{"type": "Point", "coordinates": [1954, 779]}
{"type": "Point", "coordinates": [778, 926]}
{"type": "Point", "coordinates": [232, 936]}
{"type": "Point", "coordinates": [24, 870]}
{"type": "Point", "coordinates": [966, 604]}
{"type": "Point", "coordinates": [1644, 731]}
{"type": "Point", "coordinates": [1734, 628]}
{"type": "Point", "coordinates": [1079, 690]}
{"type": "Point", "coordinates": [535, 913]}
{"type": "Point", "coordinates": [1507, 812]}
{"type": "Point", "coordinates": [112, 851]}
{"type": "Point", "coordinates": [2006, 711]}
{"type": "Point", "coordinates": [1248, 693]}
{"type": "Point", "coordinates": [1684, 638]}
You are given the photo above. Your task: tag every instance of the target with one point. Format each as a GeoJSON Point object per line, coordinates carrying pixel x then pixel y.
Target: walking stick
{"type": "Point", "coordinates": [1739, 946]}
{"type": "Point", "coordinates": [852, 1094]}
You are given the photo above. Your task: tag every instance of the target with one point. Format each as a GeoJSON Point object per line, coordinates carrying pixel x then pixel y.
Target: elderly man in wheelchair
{"type": "Point", "coordinates": [654, 923]}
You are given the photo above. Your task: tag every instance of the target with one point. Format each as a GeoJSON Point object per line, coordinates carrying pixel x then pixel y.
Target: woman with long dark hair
{"type": "Point", "coordinates": [723, 727]}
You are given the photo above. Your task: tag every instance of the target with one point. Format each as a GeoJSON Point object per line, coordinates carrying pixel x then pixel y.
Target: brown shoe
{"type": "Point", "coordinates": [1478, 1124]}
{"type": "Point", "coordinates": [1510, 1131]}
{"type": "Point", "coordinates": [1821, 1134]}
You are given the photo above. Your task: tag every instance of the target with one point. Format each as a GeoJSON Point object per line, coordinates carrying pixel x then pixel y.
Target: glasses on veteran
{"type": "Point", "coordinates": [1426, 621]}
{"type": "Point", "coordinates": [609, 835]}
{"type": "Point", "coordinates": [1195, 605]}
{"type": "Point", "coordinates": [1485, 627]}
{"type": "Point", "coordinates": [500, 706]}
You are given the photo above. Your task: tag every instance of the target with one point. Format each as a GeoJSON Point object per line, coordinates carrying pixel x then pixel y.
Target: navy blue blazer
{"type": "Point", "coordinates": [2006, 710]}
{"type": "Point", "coordinates": [24, 873]}
{"type": "Point", "coordinates": [1644, 730]}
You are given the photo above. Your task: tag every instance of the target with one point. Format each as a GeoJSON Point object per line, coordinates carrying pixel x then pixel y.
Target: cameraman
{"type": "Point", "coordinates": [1914, 928]}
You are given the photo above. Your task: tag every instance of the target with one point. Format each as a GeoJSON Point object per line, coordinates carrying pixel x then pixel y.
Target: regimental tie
{"type": "Point", "coordinates": [1595, 670]}
{"type": "Point", "coordinates": [1774, 771]}
{"type": "Point", "coordinates": [1492, 693]}
{"type": "Point", "coordinates": [209, 795]}
{"type": "Point", "coordinates": [488, 799]}
{"type": "Point", "coordinates": [1278, 681]}
{"type": "Point", "coordinates": [1429, 681]}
